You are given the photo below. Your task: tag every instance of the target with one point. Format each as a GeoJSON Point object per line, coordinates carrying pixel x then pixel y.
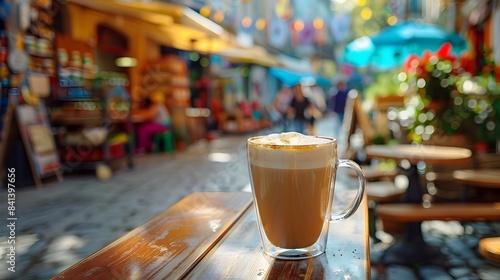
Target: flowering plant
{"type": "Point", "coordinates": [433, 75]}
{"type": "Point", "coordinates": [446, 99]}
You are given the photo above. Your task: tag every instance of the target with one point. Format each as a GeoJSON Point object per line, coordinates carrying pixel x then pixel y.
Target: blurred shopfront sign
{"type": "Point", "coordinates": [295, 64]}
{"type": "Point", "coordinates": [253, 55]}
{"type": "Point", "coordinates": [193, 4]}
{"type": "Point", "coordinates": [173, 25]}
{"type": "Point", "coordinates": [221, 11]}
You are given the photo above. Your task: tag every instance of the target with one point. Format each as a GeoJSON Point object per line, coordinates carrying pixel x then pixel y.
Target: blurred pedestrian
{"type": "Point", "coordinates": [298, 106]}
{"type": "Point", "coordinates": [280, 105]}
{"type": "Point", "coordinates": [316, 97]}
{"type": "Point", "coordinates": [338, 98]}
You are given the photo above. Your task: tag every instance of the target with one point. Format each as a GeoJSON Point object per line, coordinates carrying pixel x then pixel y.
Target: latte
{"type": "Point", "coordinates": [292, 178]}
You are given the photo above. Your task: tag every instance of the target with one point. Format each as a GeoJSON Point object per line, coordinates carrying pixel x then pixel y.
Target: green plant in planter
{"type": "Point", "coordinates": [435, 107]}
{"type": "Point", "coordinates": [386, 84]}
{"type": "Point", "coordinates": [479, 108]}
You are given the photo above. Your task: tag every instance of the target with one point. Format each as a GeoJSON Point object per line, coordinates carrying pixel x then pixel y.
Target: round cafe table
{"type": "Point", "coordinates": [477, 178]}
{"type": "Point", "coordinates": [484, 178]}
{"type": "Point", "coordinates": [413, 249]}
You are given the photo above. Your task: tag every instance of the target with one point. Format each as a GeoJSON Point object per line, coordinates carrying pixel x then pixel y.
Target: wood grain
{"type": "Point", "coordinates": [170, 244]}
{"type": "Point", "coordinates": [400, 212]}
{"type": "Point", "coordinates": [488, 178]}
{"type": "Point", "coordinates": [239, 254]}
{"type": "Point", "coordinates": [416, 153]}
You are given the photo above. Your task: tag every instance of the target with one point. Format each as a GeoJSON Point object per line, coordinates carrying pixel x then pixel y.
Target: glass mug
{"type": "Point", "coordinates": [293, 180]}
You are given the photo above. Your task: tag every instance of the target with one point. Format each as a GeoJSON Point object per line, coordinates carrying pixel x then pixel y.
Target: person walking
{"type": "Point", "coordinates": [298, 106]}
{"type": "Point", "coordinates": [337, 100]}
{"type": "Point", "coordinates": [316, 97]}
{"type": "Point", "coordinates": [281, 104]}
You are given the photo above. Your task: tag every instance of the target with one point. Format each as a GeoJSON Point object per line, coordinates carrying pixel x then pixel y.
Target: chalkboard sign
{"type": "Point", "coordinates": [29, 123]}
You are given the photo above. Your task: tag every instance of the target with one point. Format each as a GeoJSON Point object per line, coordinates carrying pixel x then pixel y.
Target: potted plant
{"type": "Point", "coordinates": [448, 104]}
{"type": "Point", "coordinates": [431, 83]}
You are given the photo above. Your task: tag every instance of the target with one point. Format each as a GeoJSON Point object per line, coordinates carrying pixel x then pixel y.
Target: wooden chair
{"type": "Point", "coordinates": [380, 186]}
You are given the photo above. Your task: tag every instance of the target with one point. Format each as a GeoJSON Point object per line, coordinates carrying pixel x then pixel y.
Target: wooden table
{"type": "Point", "coordinates": [477, 178]}
{"type": "Point", "coordinates": [484, 178]}
{"type": "Point", "coordinates": [214, 235]}
{"type": "Point", "coordinates": [413, 249]}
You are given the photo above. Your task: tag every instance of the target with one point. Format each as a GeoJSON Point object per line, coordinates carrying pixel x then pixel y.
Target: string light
{"type": "Point", "coordinates": [205, 11]}
{"type": "Point", "coordinates": [219, 16]}
{"type": "Point", "coordinates": [318, 23]}
{"type": "Point", "coordinates": [298, 25]}
{"type": "Point", "coordinates": [204, 62]}
{"type": "Point", "coordinates": [392, 20]}
{"type": "Point", "coordinates": [194, 56]}
{"type": "Point", "coordinates": [246, 22]}
{"type": "Point", "coordinates": [366, 13]}
{"type": "Point", "coordinates": [260, 24]}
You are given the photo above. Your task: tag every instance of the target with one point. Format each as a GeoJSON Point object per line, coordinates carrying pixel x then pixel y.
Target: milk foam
{"type": "Point", "coordinates": [289, 138]}
{"type": "Point", "coordinates": [291, 151]}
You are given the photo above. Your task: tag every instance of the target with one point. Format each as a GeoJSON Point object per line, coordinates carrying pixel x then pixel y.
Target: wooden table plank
{"type": "Point", "coordinates": [416, 153]}
{"type": "Point", "coordinates": [487, 178]}
{"type": "Point", "coordinates": [170, 244]}
{"type": "Point", "coordinates": [403, 212]}
{"type": "Point", "coordinates": [239, 254]}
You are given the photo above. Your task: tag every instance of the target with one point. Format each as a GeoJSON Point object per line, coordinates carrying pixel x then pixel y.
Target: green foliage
{"type": "Point", "coordinates": [386, 84]}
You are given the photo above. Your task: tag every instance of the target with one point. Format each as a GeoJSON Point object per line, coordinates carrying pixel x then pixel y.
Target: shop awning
{"type": "Point", "coordinates": [291, 78]}
{"type": "Point", "coordinates": [254, 55]}
{"type": "Point", "coordinates": [173, 25]}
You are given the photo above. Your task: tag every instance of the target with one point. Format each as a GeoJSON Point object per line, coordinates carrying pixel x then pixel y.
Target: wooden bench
{"type": "Point", "coordinates": [380, 185]}
{"type": "Point", "coordinates": [394, 216]}
{"type": "Point", "coordinates": [406, 212]}
{"type": "Point", "coordinates": [170, 244]}
{"type": "Point", "coordinates": [373, 173]}
{"type": "Point", "coordinates": [486, 178]}
{"type": "Point", "coordinates": [383, 191]}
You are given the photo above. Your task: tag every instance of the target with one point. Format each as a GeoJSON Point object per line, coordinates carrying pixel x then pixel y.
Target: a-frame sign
{"type": "Point", "coordinates": [28, 125]}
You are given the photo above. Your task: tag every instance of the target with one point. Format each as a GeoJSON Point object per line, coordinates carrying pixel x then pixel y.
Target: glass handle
{"type": "Point", "coordinates": [351, 209]}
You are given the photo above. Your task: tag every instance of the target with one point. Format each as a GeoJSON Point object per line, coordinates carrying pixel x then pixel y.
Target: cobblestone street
{"type": "Point", "coordinates": [62, 223]}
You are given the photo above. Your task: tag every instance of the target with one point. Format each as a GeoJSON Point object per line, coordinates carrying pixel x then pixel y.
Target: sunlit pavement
{"type": "Point", "coordinates": [65, 222]}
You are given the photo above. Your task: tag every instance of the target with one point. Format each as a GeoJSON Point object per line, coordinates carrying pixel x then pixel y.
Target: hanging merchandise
{"type": "Point", "coordinates": [24, 15]}
{"type": "Point", "coordinates": [306, 36]}
{"type": "Point", "coordinates": [44, 3]}
{"type": "Point", "coordinates": [278, 33]}
{"type": "Point", "coordinates": [18, 60]}
{"type": "Point", "coordinates": [4, 10]}
{"type": "Point", "coordinates": [398, 8]}
{"type": "Point", "coordinates": [294, 28]}
{"type": "Point", "coordinates": [340, 27]}
{"type": "Point", "coordinates": [258, 84]}
{"type": "Point", "coordinates": [320, 38]}
{"type": "Point", "coordinates": [283, 9]}
{"type": "Point", "coordinates": [29, 97]}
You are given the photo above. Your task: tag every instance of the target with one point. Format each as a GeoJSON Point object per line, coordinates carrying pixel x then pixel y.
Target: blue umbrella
{"type": "Point", "coordinates": [290, 78]}
{"type": "Point", "coordinates": [392, 45]}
